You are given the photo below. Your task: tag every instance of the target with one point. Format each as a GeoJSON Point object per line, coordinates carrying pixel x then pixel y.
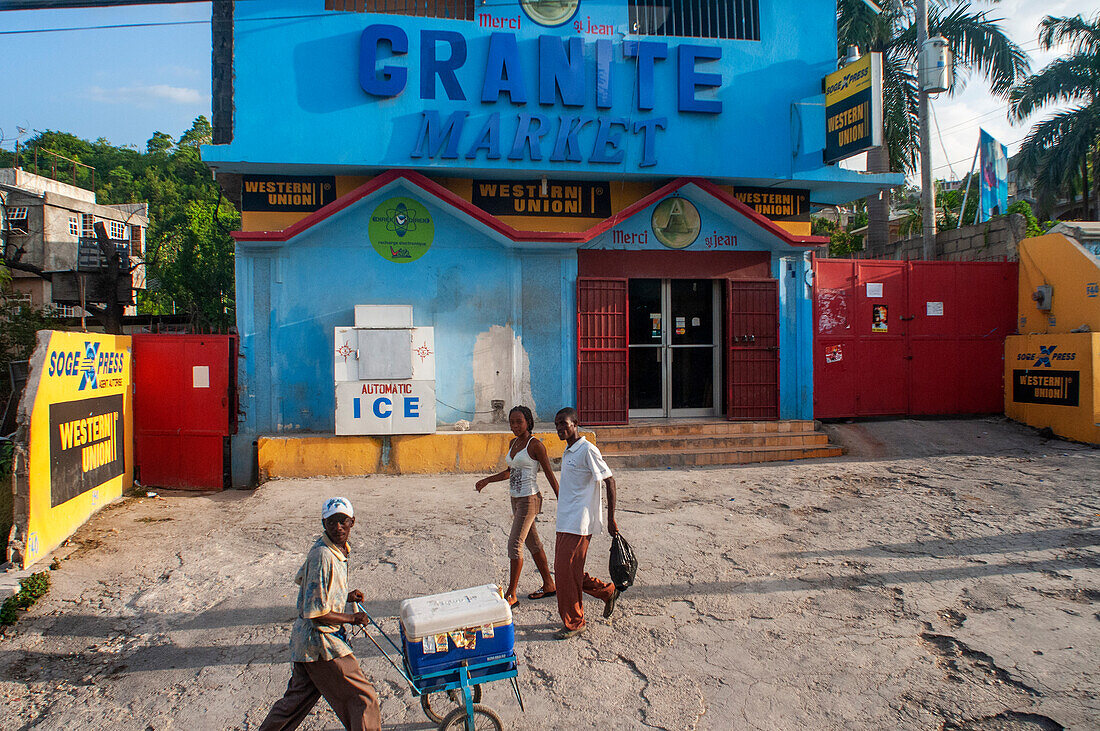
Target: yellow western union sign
{"type": "Point", "coordinates": [853, 108]}
{"type": "Point", "coordinates": [79, 455]}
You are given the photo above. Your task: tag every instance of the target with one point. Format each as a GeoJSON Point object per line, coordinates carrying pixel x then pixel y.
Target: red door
{"type": "Point", "coordinates": [753, 346]}
{"type": "Point", "coordinates": [184, 408]}
{"type": "Point", "coordinates": [960, 314]}
{"type": "Point", "coordinates": [881, 301]}
{"type": "Point", "coordinates": [915, 338]}
{"type": "Point", "coordinates": [835, 369]}
{"type": "Point", "coordinates": [602, 355]}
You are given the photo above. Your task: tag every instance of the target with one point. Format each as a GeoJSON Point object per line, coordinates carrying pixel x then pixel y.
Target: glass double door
{"type": "Point", "coordinates": [674, 353]}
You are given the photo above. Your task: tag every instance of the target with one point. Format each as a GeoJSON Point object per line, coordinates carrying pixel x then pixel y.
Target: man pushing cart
{"type": "Point", "coordinates": [452, 644]}
{"type": "Point", "coordinates": [323, 661]}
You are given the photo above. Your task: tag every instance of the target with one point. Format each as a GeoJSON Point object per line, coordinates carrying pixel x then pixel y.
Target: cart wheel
{"type": "Point", "coordinates": [439, 704]}
{"type": "Point", "coordinates": [485, 719]}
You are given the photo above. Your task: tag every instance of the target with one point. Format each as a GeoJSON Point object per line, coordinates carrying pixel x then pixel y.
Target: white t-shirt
{"type": "Point", "coordinates": [580, 499]}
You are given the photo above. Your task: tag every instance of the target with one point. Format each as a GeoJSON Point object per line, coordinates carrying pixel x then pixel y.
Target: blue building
{"type": "Point", "coordinates": [593, 202]}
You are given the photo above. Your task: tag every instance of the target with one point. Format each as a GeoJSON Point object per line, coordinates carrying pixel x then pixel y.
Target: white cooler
{"type": "Point", "coordinates": [441, 631]}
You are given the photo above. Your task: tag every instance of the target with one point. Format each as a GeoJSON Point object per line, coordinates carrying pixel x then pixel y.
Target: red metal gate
{"type": "Point", "coordinates": [752, 365]}
{"type": "Point", "coordinates": [185, 407]}
{"type": "Point", "coordinates": [602, 355]}
{"type": "Point", "coordinates": [918, 338]}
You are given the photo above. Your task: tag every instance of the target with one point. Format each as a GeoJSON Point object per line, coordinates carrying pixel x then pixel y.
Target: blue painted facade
{"type": "Point", "coordinates": [359, 94]}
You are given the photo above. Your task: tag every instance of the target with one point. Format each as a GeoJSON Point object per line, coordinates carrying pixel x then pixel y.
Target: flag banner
{"type": "Point", "coordinates": [994, 180]}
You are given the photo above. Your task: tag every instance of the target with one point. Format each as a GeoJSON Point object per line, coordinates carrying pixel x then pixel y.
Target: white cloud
{"type": "Point", "coordinates": [147, 96]}
{"type": "Point", "coordinates": [962, 115]}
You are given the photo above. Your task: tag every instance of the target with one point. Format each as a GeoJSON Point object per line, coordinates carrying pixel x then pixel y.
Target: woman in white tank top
{"type": "Point", "coordinates": [525, 455]}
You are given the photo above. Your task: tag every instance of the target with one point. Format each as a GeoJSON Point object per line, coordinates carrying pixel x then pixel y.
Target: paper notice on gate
{"type": "Point", "coordinates": [933, 309]}
{"type": "Point", "coordinates": [874, 290]}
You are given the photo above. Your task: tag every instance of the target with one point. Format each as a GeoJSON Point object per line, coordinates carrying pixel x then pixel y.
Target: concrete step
{"type": "Point", "coordinates": [706, 427]}
{"type": "Point", "coordinates": [615, 444]}
{"type": "Point", "coordinates": [702, 457]}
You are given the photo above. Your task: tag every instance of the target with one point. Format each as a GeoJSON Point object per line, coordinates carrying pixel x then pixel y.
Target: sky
{"type": "Point", "coordinates": [125, 83]}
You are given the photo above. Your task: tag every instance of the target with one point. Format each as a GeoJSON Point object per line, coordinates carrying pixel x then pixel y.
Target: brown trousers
{"type": "Point", "coordinates": [524, 512]}
{"type": "Point", "coordinates": [341, 682]}
{"type": "Point", "coordinates": [570, 551]}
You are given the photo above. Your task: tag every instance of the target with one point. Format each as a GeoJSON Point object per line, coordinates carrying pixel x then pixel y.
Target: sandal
{"type": "Point", "coordinates": [513, 605]}
{"type": "Point", "coordinates": [540, 594]}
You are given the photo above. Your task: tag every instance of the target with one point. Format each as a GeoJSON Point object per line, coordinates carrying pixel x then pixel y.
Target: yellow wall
{"type": "Point", "coordinates": [56, 381]}
{"type": "Point", "coordinates": [1072, 271]}
{"type": "Point", "coordinates": [473, 452]}
{"type": "Point", "coordinates": [1068, 353]}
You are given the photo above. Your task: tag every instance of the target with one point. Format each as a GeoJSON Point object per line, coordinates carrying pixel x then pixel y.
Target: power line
{"type": "Point", "coordinates": [939, 134]}
{"type": "Point", "coordinates": [103, 27]}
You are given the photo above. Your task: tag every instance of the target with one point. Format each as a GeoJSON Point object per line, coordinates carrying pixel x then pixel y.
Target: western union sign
{"type": "Point", "coordinates": [77, 416]}
{"type": "Point", "coordinates": [557, 199]}
{"type": "Point", "coordinates": [294, 193]}
{"type": "Point", "coordinates": [853, 108]}
{"type": "Point", "coordinates": [777, 204]}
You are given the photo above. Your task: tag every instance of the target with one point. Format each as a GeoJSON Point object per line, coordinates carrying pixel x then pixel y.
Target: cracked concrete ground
{"type": "Point", "coordinates": [943, 575]}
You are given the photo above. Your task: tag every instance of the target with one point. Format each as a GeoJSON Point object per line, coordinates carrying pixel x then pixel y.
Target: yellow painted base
{"type": "Point", "coordinates": [325, 454]}
{"type": "Point", "coordinates": [1066, 353]}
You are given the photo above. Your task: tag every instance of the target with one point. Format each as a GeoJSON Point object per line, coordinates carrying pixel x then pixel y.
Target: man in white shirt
{"type": "Point", "coordinates": [583, 469]}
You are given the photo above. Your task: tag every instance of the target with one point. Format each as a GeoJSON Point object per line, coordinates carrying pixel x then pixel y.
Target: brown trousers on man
{"type": "Point", "coordinates": [570, 551]}
{"type": "Point", "coordinates": [341, 682]}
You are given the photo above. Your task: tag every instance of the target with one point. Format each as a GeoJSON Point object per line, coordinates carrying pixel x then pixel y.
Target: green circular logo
{"type": "Point", "coordinates": [550, 12]}
{"type": "Point", "coordinates": [401, 229]}
{"type": "Point", "coordinates": [676, 222]}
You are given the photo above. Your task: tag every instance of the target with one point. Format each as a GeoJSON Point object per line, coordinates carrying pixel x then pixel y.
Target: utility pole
{"type": "Point", "coordinates": [927, 190]}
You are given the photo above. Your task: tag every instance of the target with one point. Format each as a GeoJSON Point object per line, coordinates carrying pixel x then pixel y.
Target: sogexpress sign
{"type": "Point", "coordinates": [552, 119]}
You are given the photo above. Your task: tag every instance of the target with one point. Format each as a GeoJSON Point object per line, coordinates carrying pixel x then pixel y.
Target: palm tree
{"type": "Point", "coordinates": [978, 46]}
{"type": "Point", "coordinates": [1056, 150]}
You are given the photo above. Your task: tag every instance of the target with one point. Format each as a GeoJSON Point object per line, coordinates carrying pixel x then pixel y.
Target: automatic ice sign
{"type": "Point", "coordinates": [385, 407]}
{"type": "Point", "coordinates": [384, 370]}
{"type": "Point", "coordinates": [853, 108]}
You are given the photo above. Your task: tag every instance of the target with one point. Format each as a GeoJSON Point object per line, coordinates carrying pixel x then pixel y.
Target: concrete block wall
{"type": "Point", "coordinates": [990, 241]}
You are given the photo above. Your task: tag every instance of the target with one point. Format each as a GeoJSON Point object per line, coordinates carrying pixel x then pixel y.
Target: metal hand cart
{"type": "Point", "coordinates": [452, 697]}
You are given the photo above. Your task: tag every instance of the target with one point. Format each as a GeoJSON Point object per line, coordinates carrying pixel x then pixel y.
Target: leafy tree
{"type": "Point", "coordinates": [189, 219]}
{"type": "Point", "coordinates": [1034, 228]}
{"type": "Point", "coordinates": [194, 264]}
{"type": "Point", "coordinates": [842, 242]}
{"type": "Point", "coordinates": [159, 143]}
{"type": "Point", "coordinates": [18, 324]}
{"type": "Point", "coordinates": [1056, 151]}
{"type": "Point", "coordinates": [979, 47]}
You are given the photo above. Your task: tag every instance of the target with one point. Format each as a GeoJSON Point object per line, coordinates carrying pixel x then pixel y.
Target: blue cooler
{"type": "Point", "coordinates": [441, 631]}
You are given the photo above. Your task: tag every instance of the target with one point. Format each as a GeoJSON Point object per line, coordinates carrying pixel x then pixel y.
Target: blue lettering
{"type": "Point", "coordinates": [690, 79]}
{"type": "Point", "coordinates": [378, 407]}
{"type": "Point", "coordinates": [503, 72]}
{"type": "Point", "coordinates": [355, 412]}
{"type": "Point", "coordinates": [648, 128]}
{"type": "Point", "coordinates": [433, 134]}
{"type": "Point", "coordinates": [391, 80]}
{"type": "Point", "coordinates": [604, 85]}
{"type": "Point", "coordinates": [647, 53]}
{"type": "Point", "coordinates": [525, 135]}
{"type": "Point", "coordinates": [53, 363]}
{"type": "Point", "coordinates": [607, 148]}
{"type": "Point", "coordinates": [561, 71]}
{"type": "Point", "coordinates": [412, 408]}
{"type": "Point", "coordinates": [566, 146]}
{"type": "Point", "coordinates": [488, 139]}
{"type": "Point", "coordinates": [430, 66]}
